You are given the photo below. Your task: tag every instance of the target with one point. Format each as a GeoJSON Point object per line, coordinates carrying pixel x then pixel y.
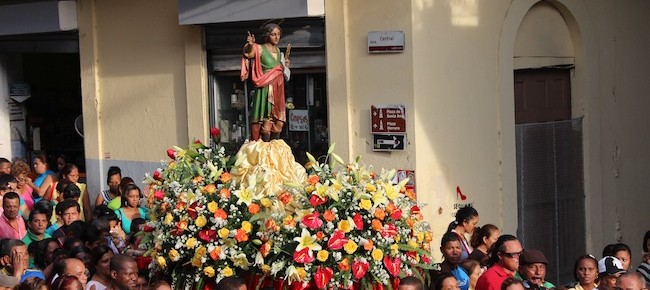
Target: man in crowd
{"type": "Point", "coordinates": [504, 262]}
{"type": "Point", "coordinates": [12, 225]}
{"type": "Point", "coordinates": [410, 283]}
{"type": "Point", "coordinates": [451, 252]}
{"type": "Point", "coordinates": [75, 267]}
{"type": "Point", "coordinates": [14, 260]}
{"type": "Point", "coordinates": [67, 212]}
{"type": "Point", "coordinates": [37, 224]}
{"type": "Point", "coordinates": [609, 269]}
{"type": "Point", "coordinates": [631, 281]}
{"type": "Point", "coordinates": [231, 283]}
{"type": "Point", "coordinates": [532, 270]}
{"type": "Point", "coordinates": [124, 273]}
{"type": "Point", "coordinates": [5, 166]}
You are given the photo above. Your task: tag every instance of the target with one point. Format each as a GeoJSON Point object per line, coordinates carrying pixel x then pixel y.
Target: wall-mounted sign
{"type": "Point", "coordinates": [388, 142]}
{"type": "Point", "coordinates": [388, 119]}
{"type": "Point", "coordinates": [298, 120]}
{"type": "Point", "coordinates": [20, 92]}
{"type": "Point", "coordinates": [385, 41]}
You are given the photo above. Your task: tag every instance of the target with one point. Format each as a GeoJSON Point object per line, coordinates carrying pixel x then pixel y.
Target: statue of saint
{"type": "Point", "coordinates": [268, 71]}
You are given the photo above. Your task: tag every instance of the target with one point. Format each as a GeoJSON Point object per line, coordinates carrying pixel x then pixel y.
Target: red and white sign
{"type": "Point", "coordinates": [388, 119]}
{"type": "Point", "coordinates": [298, 120]}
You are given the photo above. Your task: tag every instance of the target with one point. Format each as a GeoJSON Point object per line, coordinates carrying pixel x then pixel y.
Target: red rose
{"type": "Point", "coordinates": [337, 240]}
{"type": "Point", "coordinates": [159, 194]}
{"type": "Point", "coordinates": [316, 200]}
{"type": "Point", "coordinates": [323, 276]}
{"type": "Point", "coordinates": [214, 132]}
{"type": "Point", "coordinates": [312, 220]}
{"type": "Point", "coordinates": [396, 215]}
{"type": "Point", "coordinates": [171, 153]}
{"type": "Point", "coordinates": [156, 175]}
{"type": "Point", "coordinates": [359, 269]}
{"type": "Point", "coordinates": [358, 221]}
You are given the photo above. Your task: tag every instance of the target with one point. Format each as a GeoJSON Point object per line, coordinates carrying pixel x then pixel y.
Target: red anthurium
{"type": "Point", "coordinates": [171, 153]}
{"type": "Point", "coordinates": [359, 269]}
{"type": "Point", "coordinates": [323, 276]}
{"type": "Point", "coordinates": [208, 235]}
{"type": "Point", "coordinates": [156, 175]}
{"type": "Point", "coordinates": [304, 256]}
{"type": "Point", "coordinates": [392, 265]}
{"type": "Point", "coordinates": [312, 220]}
{"type": "Point", "coordinates": [316, 200]}
{"type": "Point", "coordinates": [415, 209]}
{"type": "Point", "coordinates": [397, 214]}
{"type": "Point", "coordinates": [425, 259]}
{"type": "Point", "coordinates": [192, 211]}
{"type": "Point", "coordinates": [378, 286]}
{"type": "Point", "coordinates": [389, 231]}
{"type": "Point", "coordinates": [158, 194]}
{"type": "Point", "coordinates": [412, 255]}
{"type": "Point", "coordinates": [337, 240]}
{"type": "Point", "coordinates": [358, 221]}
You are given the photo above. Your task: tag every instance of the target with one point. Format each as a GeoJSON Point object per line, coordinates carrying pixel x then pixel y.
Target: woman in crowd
{"type": "Point", "coordinates": [45, 253]}
{"type": "Point", "coordinates": [585, 272]}
{"type": "Point", "coordinates": [446, 282]}
{"type": "Point", "coordinates": [70, 172]}
{"type": "Point", "coordinates": [466, 220]}
{"type": "Point", "coordinates": [644, 267]}
{"type": "Point", "coordinates": [623, 253]}
{"type": "Point", "coordinates": [20, 170]}
{"type": "Point", "coordinates": [482, 239]}
{"type": "Point", "coordinates": [101, 259]}
{"type": "Point", "coordinates": [8, 183]}
{"type": "Point", "coordinates": [131, 207]}
{"type": "Point", "coordinates": [117, 201]}
{"type": "Point", "coordinates": [113, 179]}
{"type": "Point", "coordinates": [67, 283]}
{"type": "Point", "coordinates": [45, 179]}
{"type": "Point", "coordinates": [473, 270]}
{"type": "Point", "coordinates": [512, 283]}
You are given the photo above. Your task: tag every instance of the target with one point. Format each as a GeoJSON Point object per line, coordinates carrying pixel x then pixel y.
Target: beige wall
{"type": "Point", "coordinates": [143, 84]}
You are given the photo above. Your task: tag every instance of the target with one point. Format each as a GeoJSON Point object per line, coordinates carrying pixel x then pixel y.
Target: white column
{"type": "Point", "coordinates": [5, 131]}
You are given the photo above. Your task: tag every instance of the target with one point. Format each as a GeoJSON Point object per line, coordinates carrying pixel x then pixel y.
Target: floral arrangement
{"type": "Point", "coordinates": [346, 229]}
{"type": "Point", "coordinates": [204, 221]}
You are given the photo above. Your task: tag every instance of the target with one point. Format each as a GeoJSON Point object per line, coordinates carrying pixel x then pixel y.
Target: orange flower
{"type": "Point", "coordinates": [329, 215]}
{"type": "Point", "coordinates": [224, 193]}
{"type": "Point", "coordinates": [390, 208]}
{"type": "Point", "coordinates": [380, 214]}
{"type": "Point", "coordinates": [220, 213]}
{"type": "Point", "coordinates": [313, 179]}
{"type": "Point", "coordinates": [289, 221]}
{"type": "Point", "coordinates": [225, 177]}
{"type": "Point", "coordinates": [270, 224]}
{"type": "Point", "coordinates": [373, 175]}
{"type": "Point", "coordinates": [376, 225]}
{"type": "Point", "coordinates": [241, 235]}
{"type": "Point", "coordinates": [411, 194]}
{"type": "Point", "coordinates": [210, 188]}
{"type": "Point", "coordinates": [215, 253]}
{"type": "Point", "coordinates": [180, 205]}
{"type": "Point", "coordinates": [344, 265]}
{"type": "Point", "coordinates": [181, 225]}
{"type": "Point", "coordinates": [410, 222]}
{"type": "Point", "coordinates": [320, 235]}
{"type": "Point", "coordinates": [197, 179]}
{"type": "Point", "coordinates": [368, 246]}
{"type": "Point", "coordinates": [285, 197]}
{"type": "Point", "coordinates": [254, 208]}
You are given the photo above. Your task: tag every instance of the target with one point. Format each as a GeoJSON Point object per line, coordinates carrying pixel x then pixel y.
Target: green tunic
{"type": "Point", "coordinates": [261, 106]}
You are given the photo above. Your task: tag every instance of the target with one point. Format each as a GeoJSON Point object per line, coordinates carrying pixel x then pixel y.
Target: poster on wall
{"type": "Point", "coordinates": [403, 174]}
{"type": "Point", "coordinates": [298, 120]}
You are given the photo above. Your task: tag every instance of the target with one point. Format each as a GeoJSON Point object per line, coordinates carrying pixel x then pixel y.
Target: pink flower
{"type": "Point", "coordinates": [396, 215]}
{"type": "Point", "coordinates": [171, 153]}
{"type": "Point", "coordinates": [312, 220]}
{"type": "Point", "coordinates": [337, 240]}
{"type": "Point", "coordinates": [158, 194]}
{"type": "Point", "coordinates": [359, 269]}
{"type": "Point", "coordinates": [358, 221]}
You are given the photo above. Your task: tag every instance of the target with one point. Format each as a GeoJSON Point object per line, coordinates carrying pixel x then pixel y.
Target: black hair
{"type": "Point", "coordinates": [485, 231]}
{"type": "Point", "coordinates": [67, 169]}
{"type": "Point", "coordinates": [125, 193]}
{"type": "Point", "coordinates": [65, 205]}
{"type": "Point", "coordinates": [10, 195]}
{"type": "Point", "coordinates": [126, 181]}
{"type": "Point", "coordinates": [621, 247]}
{"type": "Point", "coordinates": [91, 235]}
{"type": "Point", "coordinates": [464, 214]}
{"type": "Point", "coordinates": [7, 245]}
{"type": "Point", "coordinates": [102, 210]}
{"type": "Point", "coordinates": [118, 261]}
{"type": "Point", "coordinates": [41, 252]}
{"type": "Point", "coordinates": [448, 237]}
{"type": "Point", "coordinates": [36, 211]}
{"type": "Point", "coordinates": [113, 170]}
{"type": "Point", "coordinates": [4, 160]}
{"type": "Point", "coordinates": [98, 252]}
{"type": "Point", "coordinates": [45, 206]}
{"type": "Point", "coordinates": [61, 185]}
{"type": "Point", "coordinates": [71, 191]}
{"type": "Point", "coordinates": [33, 283]}
{"type": "Point", "coordinates": [101, 224]}
{"type": "Point", "coordinates": [499, 247]}
{"type": "Point", "coordinates": [509, 282]}
{"type": "Point", "coordinates": [230, 283]}
{"type": "Point", "coordinates": [646, 237]}
{"type": "Point", "coordinates": [75, 229]}
{"type": "Point", "coordinates": [412, 281]}
{"type": "Point", "coordinates": [583, 257]}
{"type": "Point", "coordinates": [71, 243]}
{"type": "Point", "coordinates": [437, 285]}
{"type": "Point", "coordinates": [5, 179]}
{"type": "Point", "coordinates": [608, 250]}
{"type": "Point", "coordinates": [136, 223]}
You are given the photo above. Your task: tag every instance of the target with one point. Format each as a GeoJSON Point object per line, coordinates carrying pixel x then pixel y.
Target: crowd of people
{"type": "Point", "coordinates": [52, 238]}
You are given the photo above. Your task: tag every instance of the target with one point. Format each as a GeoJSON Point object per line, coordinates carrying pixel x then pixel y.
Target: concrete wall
{"type": "Point", "coordinates": [139, 85]}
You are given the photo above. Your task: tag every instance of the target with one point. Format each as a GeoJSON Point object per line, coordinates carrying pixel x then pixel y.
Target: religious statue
{"type": "Point", "coordinates": [268, 71]}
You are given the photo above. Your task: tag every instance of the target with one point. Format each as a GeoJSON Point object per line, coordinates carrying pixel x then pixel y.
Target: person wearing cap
{"type": "Point", "coordinates": [532, 270]}
{"type": "Point", "coordinates": [609, 269]}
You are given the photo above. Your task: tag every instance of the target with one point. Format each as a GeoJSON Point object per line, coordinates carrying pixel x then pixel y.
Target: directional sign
{"type": "Point", "coordinates": [388, 119]}
{"type": "Point", "coordinates": [388, 142]}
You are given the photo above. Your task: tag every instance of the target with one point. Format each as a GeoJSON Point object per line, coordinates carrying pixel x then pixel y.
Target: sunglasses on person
{"type": "Point", "coordinates": [512, 255]}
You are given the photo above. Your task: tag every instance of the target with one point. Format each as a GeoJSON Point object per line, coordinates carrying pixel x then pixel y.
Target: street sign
{"type": "Point", "coordinates": [388, 142]}
{"type": "Point", "coordinates": [385, 41]}
{"type": "Point", "coordinates": [388, 119]}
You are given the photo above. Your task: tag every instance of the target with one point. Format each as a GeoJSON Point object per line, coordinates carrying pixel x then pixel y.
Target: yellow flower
{"type": "Point", "coordinates": [310, 188]}
{"type": "Point", "coordinates": [227, 272]}
{"type": "Point", "coordinates": [169, 219]}
{"type": "Point", "coordinates": [350, 247]}
{"type": "Point", "coordinates": [377, 254]}
{"type": "Point", "coordinates": [420, 237]}
{"type": "Point", "coordinates": [201, 251]}
{"type": "Point", "coordinates": [365, 204]}
{"type": "Point", "coordinates": [200, 221]}
{"type": "Point", "coordinates": [413, 244]}
{"type": "Point", "coordinates": [301, 272]}
{"type": "Point", "coordinates": [246, 226]}
{"type": "Point", "coordinates": [173, 255]}
{"type": "Point", "coordinates": [161, 261]}
{"type": "Point", "coordinates": [322, 255]}
{"type": "Point", "coordinates": [190, 243]}
{"type": "Point", "coordinates": [370, 187]}
{"type": "Point", "coordinates": [223, 233]}
{"type": "Point", "coordinates": [213, 206]}
{"type": "Point", "coordinates": [196, 262]}
{"type": "Point", "coordinates": [266, 202]}
{"type": "Point", "coordinates": [208, 271]}
{"type": "Point", "coordinates": [266, 268]}
{"type": "Point", "coordinates": [394, 249]}
{"type": "Point", "coordinates": [344, 226]}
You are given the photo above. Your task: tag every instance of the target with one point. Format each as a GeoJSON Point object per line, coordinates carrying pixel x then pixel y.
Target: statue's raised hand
{"type": "Point", "coordinates": [250, 39]}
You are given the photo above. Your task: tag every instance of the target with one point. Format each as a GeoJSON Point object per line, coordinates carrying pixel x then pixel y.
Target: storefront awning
{"type": "Point", "coordinates": [220, 11]}
{"type": "Point", "coordinates": [38, 17]}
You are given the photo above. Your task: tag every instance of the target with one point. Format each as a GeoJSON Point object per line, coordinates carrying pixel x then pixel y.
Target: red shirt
{"type": "Point", "coordinates": [493, 278]}
{"type": "Point", "coordinates": [9, 232]}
